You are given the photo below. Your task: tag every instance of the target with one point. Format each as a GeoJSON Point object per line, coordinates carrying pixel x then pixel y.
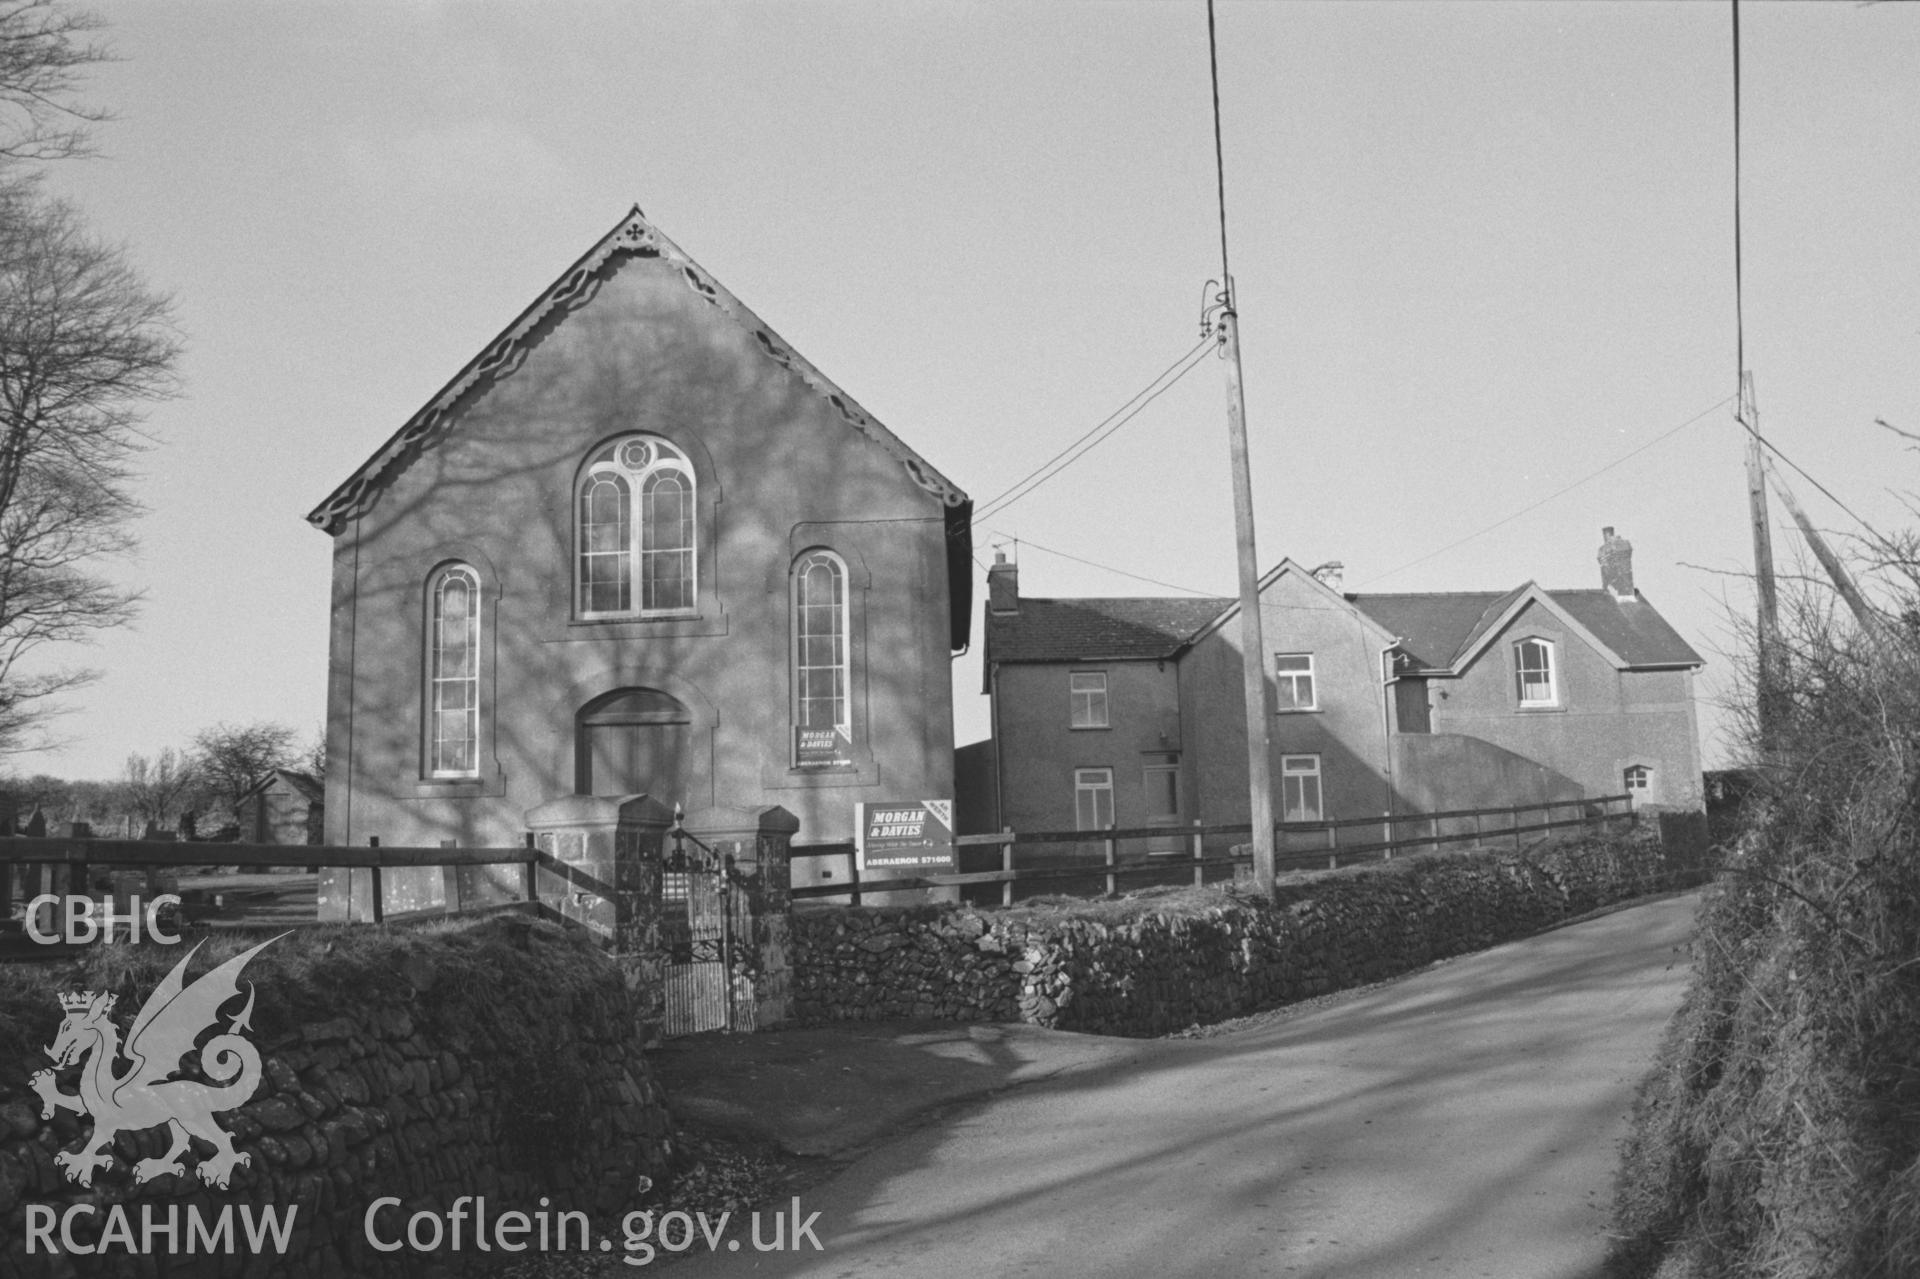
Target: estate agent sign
{"type": "Point", "coordinates": [822, 747]}
{"type": "Point", "coordinates": [907, 837]}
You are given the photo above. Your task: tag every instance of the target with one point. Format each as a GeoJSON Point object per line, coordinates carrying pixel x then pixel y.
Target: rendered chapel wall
{"type": "Point", "coordinates": [384, 1076]}
{"type": "Point", "coordinates": [1131, 968]}
{"type": "Point", "coordinates": [778, 470]}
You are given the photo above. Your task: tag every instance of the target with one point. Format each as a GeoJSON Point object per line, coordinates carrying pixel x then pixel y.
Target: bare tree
{"type": "Point", "coordinates": [158, 788]}
{"type": "Point", "coordinates": [313, 760]}
{"type": "Point", "coordinates": [44, 48]}
{"type": "Point", "coordinates": [233, 759]}
{"type": "Point", "coordinates": [84, 346]}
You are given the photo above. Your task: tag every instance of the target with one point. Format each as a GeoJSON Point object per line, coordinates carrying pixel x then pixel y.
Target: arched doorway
{"type": "Point", "coordinates": [630, 741]}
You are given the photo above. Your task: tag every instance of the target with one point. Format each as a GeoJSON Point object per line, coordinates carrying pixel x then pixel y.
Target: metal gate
{"type": "Point", "coordinates": [697, 932]}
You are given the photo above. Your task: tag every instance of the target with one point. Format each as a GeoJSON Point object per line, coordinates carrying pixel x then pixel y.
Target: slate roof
{"type": "Point", "coordinates": [1089, 630]}
{"type": "Point", "coordinates": [1631, 628]}
{"type": "Point", "coordinates": [1435, 627]}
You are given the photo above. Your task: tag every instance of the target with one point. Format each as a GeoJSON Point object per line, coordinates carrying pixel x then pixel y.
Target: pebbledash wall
{"type": "Point", "coordinates": [1127, 968]}
{"type": "Point", "coordinates": [504, 1062]}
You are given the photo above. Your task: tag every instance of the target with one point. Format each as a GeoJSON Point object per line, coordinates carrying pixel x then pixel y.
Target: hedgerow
{"type": "Point", "coordinates": [1779, 1134]}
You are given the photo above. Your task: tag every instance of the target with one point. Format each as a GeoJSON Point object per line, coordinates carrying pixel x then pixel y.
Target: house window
{"type": "Point", "coordinates": [636, 531]}
{"type": "Point", "coordinates": [1533, 673]}
{"type": "Point", "coordinates": [1293, 682]}
{"type": "Point", "coordinates": [453, 674]}
{"type": "Point", "coordinates": [1092, 798]}
{"type": "Point", "coordinates": [1089, 692]}
{"type": "Point", "coordinates": [1638, 779]}
{"type": "Point", "coordinates": [1300, 788]}
{"type": "Point", "coordinates": [822, 719]}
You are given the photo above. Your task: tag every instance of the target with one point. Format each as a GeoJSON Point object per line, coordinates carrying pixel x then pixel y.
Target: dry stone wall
{"type": "Point", "coordinates": [506, 1064]}
{"type": "Point", "coordinates": [1132, 967]}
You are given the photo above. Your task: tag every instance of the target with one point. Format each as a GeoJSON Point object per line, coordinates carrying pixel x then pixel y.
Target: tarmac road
{"type": "Point", "coordinates": [1459, 1122]}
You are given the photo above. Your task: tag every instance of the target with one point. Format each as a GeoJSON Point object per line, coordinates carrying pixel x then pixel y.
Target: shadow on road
{"type": "Point", "coordinates": [1460, 1121]}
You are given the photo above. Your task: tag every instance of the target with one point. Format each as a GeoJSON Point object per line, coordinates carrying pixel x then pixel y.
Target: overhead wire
{"type": "Point", "coordinates": [1219, 154]}
{"type": "Point", "coordinates": [1739, 294]}
{"type": "Point", "coordinates": [1102, 430]}
{"type": "Point", "coordinates": [1593, 475]}
{"type": "Point", "coordinates": [1172, 586]}
{"type": "Point", "coordinates": [1801, 471]}
{"type": "Point", "coordinates": [1096, 435]}
{"type": "Point", "coordinates": [1558, 493]}
{"type": "Point", "coordinates": [1739, 304]}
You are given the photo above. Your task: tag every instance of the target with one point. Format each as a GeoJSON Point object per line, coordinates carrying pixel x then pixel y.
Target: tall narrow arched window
{"type": "Point", "coordinates": [636, 553]}
{"type": "Point", "coordinates": [606, 544]}
{"type": "Point", "coordinates": [822, 706]}
{"type": "Point", "coordinates": [666, 541]}
{"type": "Point", "coordinates": [453, 676]}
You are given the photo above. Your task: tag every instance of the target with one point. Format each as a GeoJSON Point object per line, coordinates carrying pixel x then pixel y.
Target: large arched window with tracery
{"type": "Point", "coordinates": [822, 706]}
{"type": "Point", "coordinates": [635, 530]}
{"type": "Point", "coordinates": [453, 674]}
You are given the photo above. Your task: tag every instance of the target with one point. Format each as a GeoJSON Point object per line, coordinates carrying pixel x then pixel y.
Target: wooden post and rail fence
{"type": "Point", "coordinates": [55, 866]}
{"type": "Point", "coordinates": [1095, 855]}
{"type": "Point", "coordinates": [60, 867]}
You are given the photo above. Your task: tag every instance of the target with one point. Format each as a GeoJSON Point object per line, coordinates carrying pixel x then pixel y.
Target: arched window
{"type": "Point", "coordinates": [1638, 779]}
{"type": "Point", "coordinates": [636, 530]}
{"type": "Point", "coordinates": [453, 674]}
{"type": "Point", "coordinates": [822, 709]}
{"type": "Point", "coordinates": [1534, 677]}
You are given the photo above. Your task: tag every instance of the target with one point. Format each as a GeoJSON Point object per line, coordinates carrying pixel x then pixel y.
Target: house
{"type": "Point", "coordinates": [638, 544]}
{"type": "Point", "coordinates": [1131, 712]}
{"type": "Point", "coordinates": [283, 807]}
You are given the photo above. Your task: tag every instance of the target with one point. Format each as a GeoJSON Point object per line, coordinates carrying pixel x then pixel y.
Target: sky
{"type": "Point", "coordinates": [1483, 256]}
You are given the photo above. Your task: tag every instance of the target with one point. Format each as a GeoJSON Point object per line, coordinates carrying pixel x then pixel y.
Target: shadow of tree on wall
{"type": "Point", "coordinates": [779, 469]}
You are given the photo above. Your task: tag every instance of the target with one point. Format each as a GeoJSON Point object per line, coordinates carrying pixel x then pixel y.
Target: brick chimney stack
{"type": "Point", "coordinates": [1616, 565]}
{"type": "Point", "coordinates": [1003, 585]}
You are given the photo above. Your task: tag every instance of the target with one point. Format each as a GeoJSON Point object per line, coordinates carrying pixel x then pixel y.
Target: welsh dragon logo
{"type": "Point", "coordinates": [143, 1095]}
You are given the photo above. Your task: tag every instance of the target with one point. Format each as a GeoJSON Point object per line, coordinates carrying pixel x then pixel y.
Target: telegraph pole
{"type": "Point", "coordinates": [1843, 583]}
{"type": "Point", "coordinates": [1253, 653]}
{"type": "Point", "coordinates": [1253, 650]}
{"type": "Point", "coordinates": [1767, 673]}
{"type": "Point", "coordinates": [1768, 676]}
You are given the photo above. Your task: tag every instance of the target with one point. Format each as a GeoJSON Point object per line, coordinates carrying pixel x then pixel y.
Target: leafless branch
{"type": "Point", "coordinates": [45, 47]}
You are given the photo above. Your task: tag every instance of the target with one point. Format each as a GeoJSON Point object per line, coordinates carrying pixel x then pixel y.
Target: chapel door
{"type": "Point", "coordinates": [633, 741]}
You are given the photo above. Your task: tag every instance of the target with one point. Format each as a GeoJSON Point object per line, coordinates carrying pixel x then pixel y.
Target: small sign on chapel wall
{"type": "Point", "coordinates": [822, 747]}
